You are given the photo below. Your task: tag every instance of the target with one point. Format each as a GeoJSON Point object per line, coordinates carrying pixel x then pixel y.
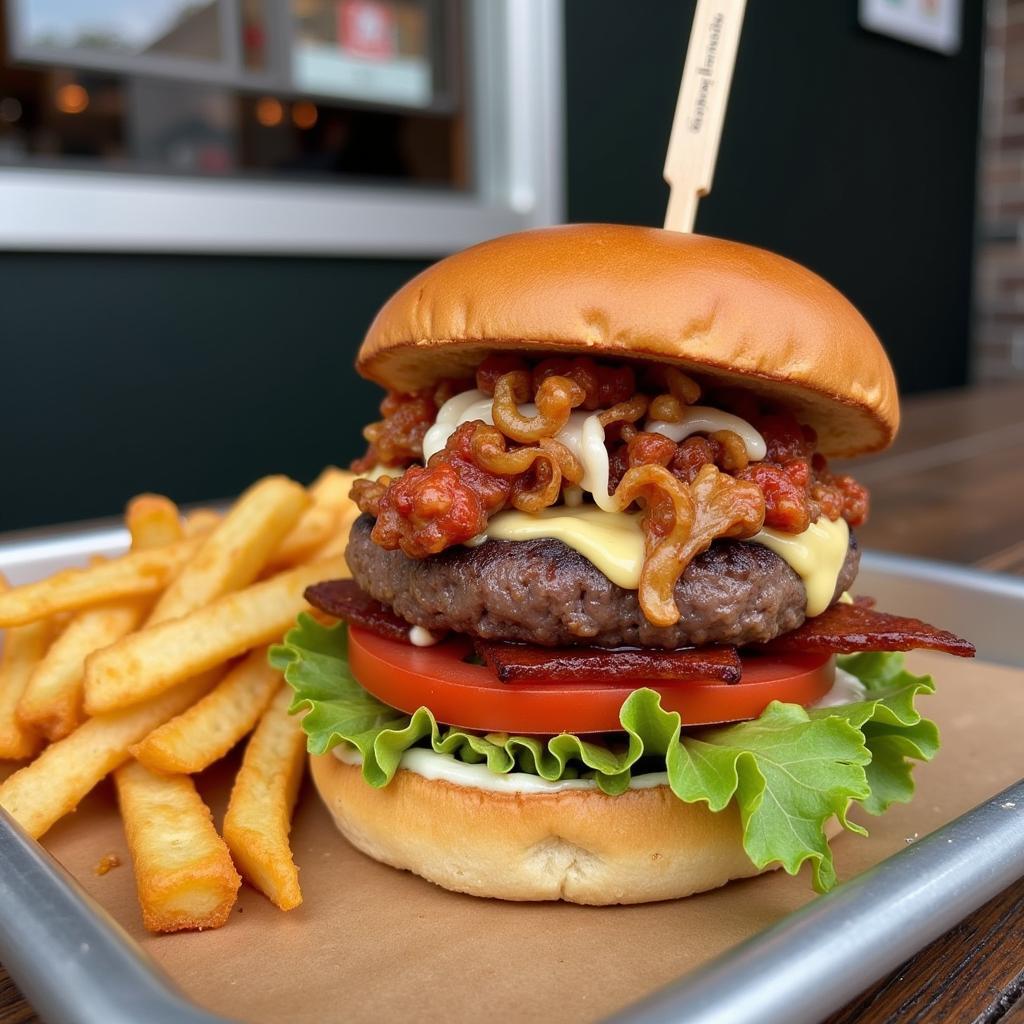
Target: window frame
{"type": "Point", "coordinates": [516, 112]}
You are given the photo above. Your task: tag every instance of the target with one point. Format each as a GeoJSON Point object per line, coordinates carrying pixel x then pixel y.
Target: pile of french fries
{"type": "Point", "coordinates": [151, 667]}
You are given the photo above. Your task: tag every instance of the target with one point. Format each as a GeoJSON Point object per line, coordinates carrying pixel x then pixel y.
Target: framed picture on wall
{"type": "Point", "coordinates": [934, 24]}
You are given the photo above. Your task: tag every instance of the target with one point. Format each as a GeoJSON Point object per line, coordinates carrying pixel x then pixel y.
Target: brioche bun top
{"type": "Point", "coordinates": [731, 314]}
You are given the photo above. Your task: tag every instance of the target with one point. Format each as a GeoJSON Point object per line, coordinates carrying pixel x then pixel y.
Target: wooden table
{"type": "Point", "coordinates": [952, 488]}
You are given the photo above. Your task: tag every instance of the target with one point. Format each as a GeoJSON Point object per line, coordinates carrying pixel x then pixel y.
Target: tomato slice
{"type": "Point", "coordinates": [470, 696]}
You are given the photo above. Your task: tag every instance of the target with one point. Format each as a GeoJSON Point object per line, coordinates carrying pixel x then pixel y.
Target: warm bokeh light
{"type": "Point", "coordinates": [269, 111]}
{"type": "Point", "coordinates": [304, 114]}
{"type": "Point", "coordinates": [71, 98]}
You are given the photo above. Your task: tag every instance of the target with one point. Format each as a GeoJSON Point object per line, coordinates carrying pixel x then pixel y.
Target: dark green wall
{"type": "Point", "coordinates": [849, 152]}
{"type": "Point", "coordinates": [188, 376]}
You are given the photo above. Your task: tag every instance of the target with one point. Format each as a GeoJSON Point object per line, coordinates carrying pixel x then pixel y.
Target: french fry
{"type": "Point", "coordinates": [183, 871]}
{"type": "Point", "coordinates": [232, 556]}
{"type": "Point", "coordinates": [52, 702]}
{"type": "Point", "coordinates": [133, 575]}
{"type": "Point", "coordinates": [311, 532]}
{"type": "Point", "coordinates": [259, 813]}
{"type": "Point", "coordinates": [22, 650]}
{"type": "Point", "coordinates": [209, 729]}
{"type": "Point", "coordinates": [153, 521]}
{"type": "Point", "coordinates": [335, 547]}
{"type": "Point", "coordinates": [317, 526]}
{"type": "Point", "coordinates": [201, 521]}
{"type": "Point", "coordinates": [156, 658]}
{"type": "Point", "coordinates": [54, 784]}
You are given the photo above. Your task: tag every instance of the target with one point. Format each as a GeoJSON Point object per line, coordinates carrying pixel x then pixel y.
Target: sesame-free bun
{"type": "Point", "coordinates": [576, 845]}
{"type": "Point", "coordinates": [729, 313]}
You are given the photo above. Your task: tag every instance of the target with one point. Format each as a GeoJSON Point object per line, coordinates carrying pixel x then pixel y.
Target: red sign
{"type": "Point", "coordinates": [366, 28]}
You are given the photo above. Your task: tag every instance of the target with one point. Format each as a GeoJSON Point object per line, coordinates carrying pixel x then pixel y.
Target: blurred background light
{"type": "Point", "coordinates": [304, 114]}
{"type": "Point", "coordinates": [269, 111]}
{"type": "Point", "coordinates": [71, 98]}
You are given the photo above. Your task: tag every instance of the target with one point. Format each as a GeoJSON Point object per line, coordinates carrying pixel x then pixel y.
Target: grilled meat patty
{"type": "Point", "coordinates": [543, 592]}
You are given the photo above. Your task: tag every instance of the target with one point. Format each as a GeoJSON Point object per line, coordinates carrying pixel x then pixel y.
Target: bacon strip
{"type": "Point", "coordinates": [847, 628]}
{"type": "Point", "coordinates": [514, 663]}
{"type": "Point", "coordinates": [345, 600]}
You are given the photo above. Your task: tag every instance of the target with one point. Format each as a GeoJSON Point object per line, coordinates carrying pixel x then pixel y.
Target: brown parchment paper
{"type": "Point", "coordinates": [370, 943]}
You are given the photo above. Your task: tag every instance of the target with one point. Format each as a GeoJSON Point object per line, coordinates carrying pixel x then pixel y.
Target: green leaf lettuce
{"type": "Point", "coordinates": [789, 771]}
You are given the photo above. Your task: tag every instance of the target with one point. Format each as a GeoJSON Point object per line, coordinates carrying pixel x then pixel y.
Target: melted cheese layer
{"type": "Point", "coordinates": [614, 543]}
{"type": "Point", "coordinates": [816, 556]}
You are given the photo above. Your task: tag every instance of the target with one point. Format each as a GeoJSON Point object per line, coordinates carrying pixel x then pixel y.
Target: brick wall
{"type": "Point", "coordinates": [999, 337]}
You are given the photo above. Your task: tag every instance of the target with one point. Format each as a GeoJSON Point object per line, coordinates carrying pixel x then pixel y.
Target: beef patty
{"type": "Point", "coordinates": [544, 592]}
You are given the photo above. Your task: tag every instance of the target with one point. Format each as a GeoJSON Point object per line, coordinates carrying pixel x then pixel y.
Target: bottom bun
{"type": "Point", "coordinates": [576, 845]}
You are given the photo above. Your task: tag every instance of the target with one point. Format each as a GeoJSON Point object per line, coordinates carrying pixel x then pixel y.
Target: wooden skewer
{"type": "Point", "coordinates": [700, 109]}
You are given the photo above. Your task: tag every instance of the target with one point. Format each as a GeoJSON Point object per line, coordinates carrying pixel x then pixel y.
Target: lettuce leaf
{"type": "Point", "coordinates": [789, 771]}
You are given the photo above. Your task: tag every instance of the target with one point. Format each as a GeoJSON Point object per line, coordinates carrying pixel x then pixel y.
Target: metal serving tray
{"type": "Point", "coordinates": [76, 965]}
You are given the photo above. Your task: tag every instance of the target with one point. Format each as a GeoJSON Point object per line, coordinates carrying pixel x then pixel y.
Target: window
{"type": "Point", "coordinates": [404, 126]}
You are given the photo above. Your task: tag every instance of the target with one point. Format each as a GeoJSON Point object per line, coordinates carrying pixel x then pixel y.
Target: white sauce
{"type": "Point", "coordinates": [445, 768]}
{"type": "Point", "coordinates": [420, 637]}
{"type": "Point", "coordinates": [583, 435]}
{"type": "Point", "coordinates": [846, 689]}
{"type": "Point", "coordinates": [572, 496]}
{"type": "Point", "coordinates": [463, 408]}
{"type": "Point", "coordinates": [702, 419]}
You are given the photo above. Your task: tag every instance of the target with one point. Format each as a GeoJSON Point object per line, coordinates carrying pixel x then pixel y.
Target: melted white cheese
{"type": "Point", "coordinates": [816, 556]}
{"type": "Point", "coordinates": [614, 543]}
{"type": "Point", "coordinates": [463, 408]}
{"type": "Point", "coordinates": [702, 419]}
{"type": "Point", "coordinates": [583, 435]}
{"type": "Point", "coordinates": [445, 768]}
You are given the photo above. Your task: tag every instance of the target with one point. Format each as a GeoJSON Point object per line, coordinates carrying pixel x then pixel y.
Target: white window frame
{"type": "Point", "coordinates": [516, 88]}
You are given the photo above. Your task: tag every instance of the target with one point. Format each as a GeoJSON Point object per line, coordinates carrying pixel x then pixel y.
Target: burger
{"type": "Point", "coordinates": [598, 643]}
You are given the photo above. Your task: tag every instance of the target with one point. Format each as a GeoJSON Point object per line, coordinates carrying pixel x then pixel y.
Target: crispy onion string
{"type": "Point", "coordinates": [625, 412]}
{"type": "Point", "coordinates": [734, 457]}
{"type": "Point", "coordinates": [555, 399]}
{"type": "Point", "coordinates": [602, 385]}
{"type": "Point", "coordinates": [668, 513]}
{"type": "Point", "coordinates": [682, 391]}
{"type": "Point", "coordinates": [538, 471]}
{"type": "Point", "coordinates": [679, 522]}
